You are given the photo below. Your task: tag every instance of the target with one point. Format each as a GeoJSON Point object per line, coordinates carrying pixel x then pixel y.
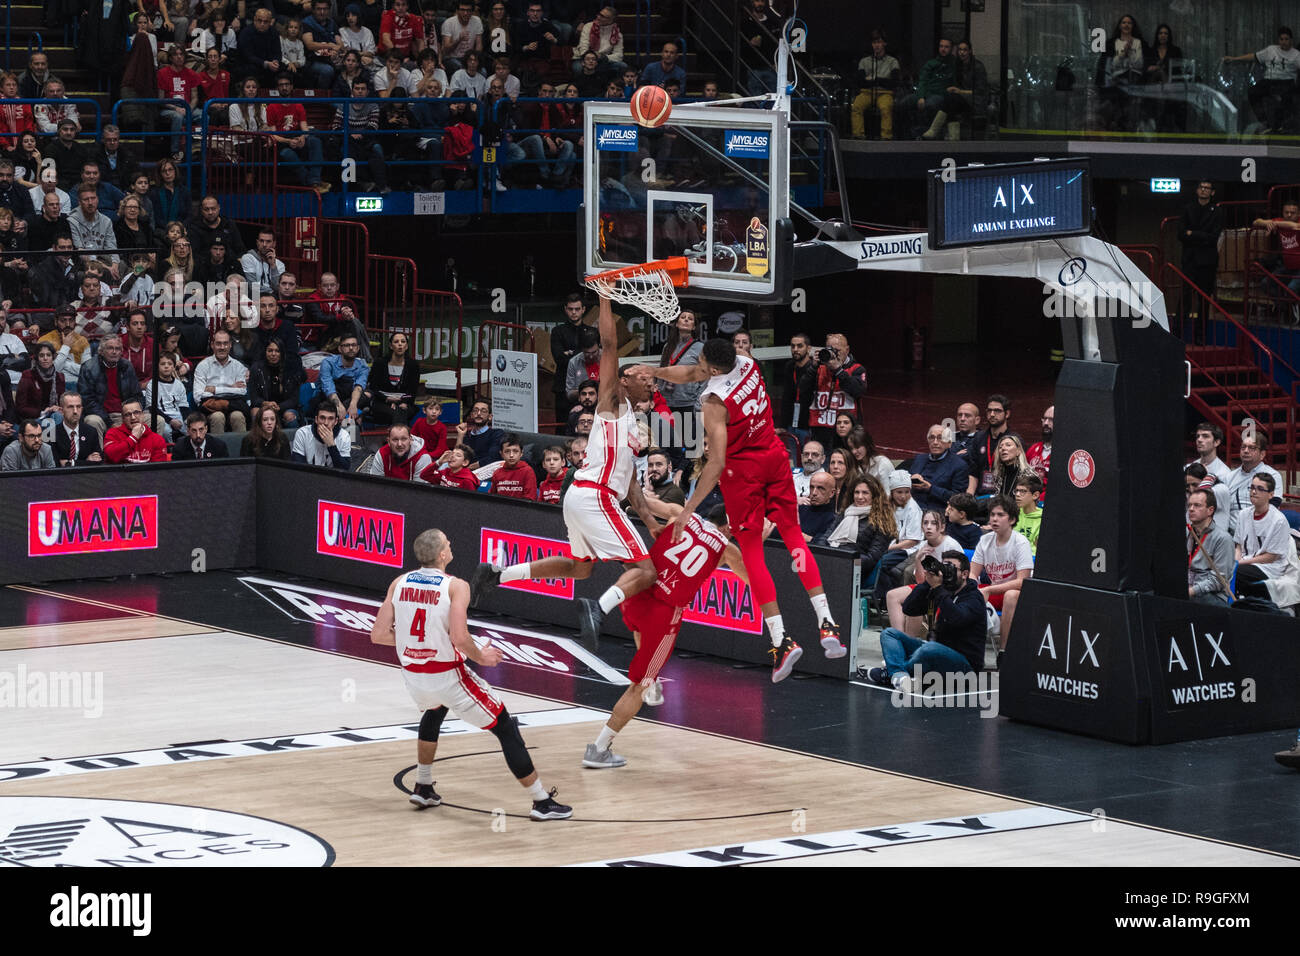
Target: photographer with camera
{"type": "Point", "coordinates": [952, 602]}
{"type": "Point", "coordinates": [841, 386]}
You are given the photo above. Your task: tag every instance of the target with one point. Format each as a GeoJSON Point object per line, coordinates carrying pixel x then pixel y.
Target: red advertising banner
{"type": "Point", "coordinates": [725, 601]}
{"type": "Point", "coordinates": [359, 534]}
{"type": "Point", "coordinates": [507, 547]}
{"type": "Point", "coordinates": [87, 525]}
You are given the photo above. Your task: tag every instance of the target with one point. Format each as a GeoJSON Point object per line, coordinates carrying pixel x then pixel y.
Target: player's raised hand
{"type": "Point", "coordinates": [679, 525]}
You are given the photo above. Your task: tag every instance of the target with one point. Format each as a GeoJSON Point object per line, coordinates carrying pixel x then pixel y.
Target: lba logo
{"type": "Point", "coordinates": [359, 534]}
{"type": "Point", "coordinates": [504, 548]}
{"type": "Point", "coordinates": [744, 142]}
{"type": "Point", "coordinates": [619, 139]}
{"type": "Point", "coordinates": [86, 525]}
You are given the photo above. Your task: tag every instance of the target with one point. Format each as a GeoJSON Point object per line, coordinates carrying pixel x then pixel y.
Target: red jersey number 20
{"type": "Point", "coordinates": [693, 560]}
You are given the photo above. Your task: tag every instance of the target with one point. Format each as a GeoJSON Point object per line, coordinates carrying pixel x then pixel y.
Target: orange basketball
{"type": "Point", "coordinates": [651, 106]}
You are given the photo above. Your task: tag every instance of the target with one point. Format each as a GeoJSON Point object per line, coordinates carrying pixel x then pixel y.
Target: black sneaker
{"type": "Point", "coordinates": [783, 659]}
{"type": "Point", "coordinates": [997, 663]}
{"type": "Point", "coordinates": [880, 677]}
{"type": "Point", "coordinates": [548, 809]}
{"type": "Point", "coordinates": [486, 578]}
{"type": "Point", "coordinates": [424, 796]}
{"type": "Point", "coordinates": [1289, 758]}
{"type": "Point", "coordinates": [590, 619]}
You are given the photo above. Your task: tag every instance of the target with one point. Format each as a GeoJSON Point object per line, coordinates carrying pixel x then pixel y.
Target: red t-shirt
{"type": "Point", "coordinates": [214, 87]}
{"type": "Point", "coordinates": [403, 32]}
{"type": "Point", "coordinates": [434, 435]}
{"type": "Point", "coordinates": [178, 84]}
{"type": "Point", "coordinates": [551, 490]}
{"type": "Point", "coordinates": [516, 482]}
{"type": "Point", "coordinates": [286, 117]}
{"type": "Point", "coordinates": [464, 478]}
{"type": "Point", "coordinates": [681, 569]}
{"type": "Point", "coordinates": [1289, 239]}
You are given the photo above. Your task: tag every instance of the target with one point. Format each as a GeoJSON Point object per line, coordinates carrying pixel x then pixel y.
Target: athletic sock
{"type": "Point", "coordinates": [537, 791]}
{"type": "Point", "coordinates": [822, 607]}
{"type": "Point", "coordinates": [516, 572]}
{"type": "Point", "coordinates": [424, 773]}
{"type": "Point", "coordinates": [606, 738]}
{"type": "Point", "coordinates": [612, 598]}
{"type": "Point", "coordinates": [775, 629]}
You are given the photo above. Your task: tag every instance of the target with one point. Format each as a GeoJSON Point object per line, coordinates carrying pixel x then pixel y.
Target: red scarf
{"type": "Point", "coordinates": [593, 37]}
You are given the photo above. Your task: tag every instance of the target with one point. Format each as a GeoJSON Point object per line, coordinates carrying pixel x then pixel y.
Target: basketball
{"type": "Point", "coordinates": [651, 106]}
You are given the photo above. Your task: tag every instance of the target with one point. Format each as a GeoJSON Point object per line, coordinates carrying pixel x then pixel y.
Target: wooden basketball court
{"type": "Point", "coordinates": [217, 722]}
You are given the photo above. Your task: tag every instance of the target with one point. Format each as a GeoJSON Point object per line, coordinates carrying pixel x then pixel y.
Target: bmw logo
{"type": "Point", "coordinates": [501, 363]}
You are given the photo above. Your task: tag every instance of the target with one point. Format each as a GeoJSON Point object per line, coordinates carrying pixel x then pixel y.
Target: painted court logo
{"type": "Point", "coordinates": [619, 139]}
{"type": "Point", "coordinates": [504, 548]}
{"type": "Point", "coordinates": [359, 534]}
{"type": "Point", "coordinates": [80, 831]}
{"type": "Point", "coordinates": [753, 144]}
{"type": "Point", "coordinates": [87, 525]}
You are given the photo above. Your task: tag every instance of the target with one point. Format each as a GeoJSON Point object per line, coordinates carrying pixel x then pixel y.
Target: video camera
{"type": "Point", "coordinates": [948, 572]}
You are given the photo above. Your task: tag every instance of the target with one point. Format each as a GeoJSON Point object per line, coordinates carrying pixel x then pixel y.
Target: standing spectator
{"type": "Point", "coordinates": [841, 385]}
{"type": "Point", "coordinates": [320, 35]}
{"type": "Point", "coordinates": [585, 366]}
{"type": "Point", "coordinates": [938, 475]}
{"type": "Point", "coordinates": [40, 388]}
{"type": "Point", "coordinates": [1210, 552]}
{"type": "Point", "coordinates": [659, 72]}
{"type": "Point", "coordinates": [29, 453]}
{"type": "Point", "coordinates": [1007, 559]}
{"type": "Point", "coordinates": [362, 121]}
{"type": "Point", "coordinates": [1199, 230]}
{"type": "Point", "coordinates": [982, 458]}
{"type": "Point", "coordinates": [259, 48]}
{"type": "Point", "coordinates": [564, 346]}
{"type": "Point", "coordinates": [132, 441]}
{"type": "Point", "coordinates": [1266, 551]}
{"type": "Point", "coordinates": [1287, 230]}
{"type": "Point", "coordinates": [290, 120]}
{"type": "Point", "coordinates": [75, 442]}
{"type": "Point", "coordinates": [105, 381]}
{"type": "Point", "coordinates": [221, 387]}
{"type": "Point", "coordinates": [759, 30]}
{"type": "Point", "coordinates": [460, 34]}
{"type": "Point", "coordinates": [261, 267]}
{"type": "Point", "coordinates": [176, 81]}
{"type": "Point", "coordinates": [877, 83]}
{"type": "Point", "coordinates": [1273, 99]}
{"type": "Point", "coordinates": [343, 380]}
{"type": "Point", "coordinates": [323, 444]}
{"type": "Point", "coordinates": [1122, 66]}
{"type": "Point", "coordinates": [394, 382]}
{"type": "Point", "coordinates": [800, 377]}
{"type": "Point", "coordinates": [515, 477]}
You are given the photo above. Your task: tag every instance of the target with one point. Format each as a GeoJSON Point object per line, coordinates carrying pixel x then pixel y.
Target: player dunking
{"type": "Point", "coordinates": [598, 529]}
{"type": "Point", "coordinates": [424, 616]}
{"type": "Point", "coordinates": [753, 471]}
{"type": "Point", "coordinates": [655, 616]}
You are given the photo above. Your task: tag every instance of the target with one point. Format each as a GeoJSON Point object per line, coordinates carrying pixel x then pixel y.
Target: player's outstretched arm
{"type": "Point", "coordinates": [381, 632]}
{"type": "Point", "coordinates": [608, 351]}
{"type": "Point", "coordinates": [642, 507]}
{"type": "Point", "coordinates": [715, 427]}
{"type": "Point", "coordinates": [679, 374]}
{"type": "Point", "coordinates": [458, 626]}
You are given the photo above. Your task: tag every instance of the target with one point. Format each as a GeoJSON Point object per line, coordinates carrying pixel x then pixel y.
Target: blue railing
{"type": "Point", "coordinates": [81, 102]}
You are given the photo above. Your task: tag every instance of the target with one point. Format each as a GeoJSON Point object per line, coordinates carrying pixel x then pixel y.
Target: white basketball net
{"type": "Point", "coordinates": [650, 290]}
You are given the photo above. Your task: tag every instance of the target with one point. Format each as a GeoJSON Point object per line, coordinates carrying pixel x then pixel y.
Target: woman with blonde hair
{"type": "Point", "coordinates": [1010, 462]}
{"type": "Point", "coordinates": [181, 257]}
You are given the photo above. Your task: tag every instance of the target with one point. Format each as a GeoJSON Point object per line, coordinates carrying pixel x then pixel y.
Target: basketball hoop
{"type": "Point", "coordinates": [650, 287]}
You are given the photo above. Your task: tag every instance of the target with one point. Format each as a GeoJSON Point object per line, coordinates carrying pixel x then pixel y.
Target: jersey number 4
{"type": "Point", "coordinates": [693, 561]}
{"type": "Point", "coordinates": [417, 624]}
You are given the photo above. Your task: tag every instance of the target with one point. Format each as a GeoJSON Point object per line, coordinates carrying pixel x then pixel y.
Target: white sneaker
{"type": "Point", "coordinates": [501, 187]}
{"type": "Point", "coordinates": [902, 682]}
{"type": "Point", "coordinates": [601, 759]}
{"type": "Point", "coordinates": [654, 694]}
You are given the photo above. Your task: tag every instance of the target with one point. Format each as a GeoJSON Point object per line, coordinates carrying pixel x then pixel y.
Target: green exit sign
{"type": "Point", "coordinates": [370, 204]}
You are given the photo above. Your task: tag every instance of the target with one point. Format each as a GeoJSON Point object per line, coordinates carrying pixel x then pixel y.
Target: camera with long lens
{"type": "Point", "coordinates": [825, 355]}
{"type": "Point", "coordinates": [948, 572]}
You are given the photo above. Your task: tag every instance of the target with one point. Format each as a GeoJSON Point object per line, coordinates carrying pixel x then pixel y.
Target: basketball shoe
{"type": "Point", "coordinates": [425, 796]}
{"type": "Point", "coordinates": [549, 809]}
{"type": "Point", "coordinates": [600, 759]}
{"type": "Point", "coordinates": [783, 659]}
{"type": "Point", "coordinates": [830, 638]}
{"type": "Point", "coordinates": [654, 694]}
{"type": "Point", "coordinates": [486, 578]}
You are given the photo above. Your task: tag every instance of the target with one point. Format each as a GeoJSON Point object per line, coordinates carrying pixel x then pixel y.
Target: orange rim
{"type": "Point", "coordinates": [676, 267]}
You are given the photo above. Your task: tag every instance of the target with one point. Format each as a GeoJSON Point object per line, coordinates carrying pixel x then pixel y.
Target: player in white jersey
{"type": "Point", "coordinates": [598, 528]}
{"type": "Point", "coordinates": [425, 617]}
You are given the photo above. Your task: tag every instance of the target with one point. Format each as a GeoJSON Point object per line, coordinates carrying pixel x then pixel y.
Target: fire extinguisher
{"type": "Point", "coordinates": [918, 349]}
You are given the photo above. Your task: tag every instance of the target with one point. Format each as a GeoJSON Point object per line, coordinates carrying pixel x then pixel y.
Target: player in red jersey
{"type": "Point", "coordinates": [754, 474]}
{"type": "Point", "coordinates": [654, 617]}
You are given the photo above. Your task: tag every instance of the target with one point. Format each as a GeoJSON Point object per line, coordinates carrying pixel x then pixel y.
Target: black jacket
{"type": "Point", "coordinates": [87, 443]}
{"type": "Point", "coordinates": [17, 200]}
{"type": "Point", "coordinates": [203, 235]}
{"type": "Point", "coordinates": [279, 385]}
{"type": "Point", "coordinates": [960, 622]}
{"type": "Point", "coordinates": [872, 544]}
{"type": "Point", "coordinates": [92, 383]}
{"type": "Point", "coordinates": [800, 386]}
{"type": "Point", "coordinates": [183, 450]}
{"type": "Point", "coordinates": [564, 338]}
{"type": "Point", "coordinates": [52, 285]}
{"type": "Point", "coordinates": [1205, 223]}
{"type": "Point", "coordinates": [121, 175]}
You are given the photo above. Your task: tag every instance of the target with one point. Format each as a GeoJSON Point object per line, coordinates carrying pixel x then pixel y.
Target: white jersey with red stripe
{"type": "Point", "coordinates": [421, 617]}
{"type": "Point", "coordinates": [611, 452]}
{"type": "Point", "coordinates": [749, 412]}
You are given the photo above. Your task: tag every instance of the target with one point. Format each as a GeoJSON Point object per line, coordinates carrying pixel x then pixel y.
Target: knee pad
{"type": "Point", "coordinates": [431, 723]}
{"type": "Point", "coordinates": [512, 745]}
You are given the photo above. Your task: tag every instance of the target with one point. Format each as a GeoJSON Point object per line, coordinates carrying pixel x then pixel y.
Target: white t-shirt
{"type": "Point", "coordinates": [405, 79]}
{"type": "Point", "coordinates": [475, 85]}
{"type": "Point", "coordinates": [361, 40]}
{"type": "Point", "coordinates": [1269, 533]}
{"type": "Point", "coordinates": [38, 200]}
{"type": "Point", "coordinates": [462, 37]}
{"type": "Point", "coordinates": [438, 74]}
{"type": "Point", "coordinates": [1279, 64]}
{"type": "Point", "coordinates": [1002, 561]}
{"type": "Point", "coordinates": [947, 544]}
{"type": "Point", "coordinates": [11, 344]}
{"type": "Point", "coordinates": [306, 443]}
{"type": "Point", "coordinates": [909, 524]}
{"type": "Point", "coordinates": [802, 481]}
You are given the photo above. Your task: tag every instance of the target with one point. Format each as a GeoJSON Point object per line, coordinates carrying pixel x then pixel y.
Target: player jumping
{"type": "Point", "coordinates": [424, 616]}
{"type": "Point", "coordinates": [753, 470]}
{"type": "Point", "coordinates": [654, 617]}
{"type": "Point", "coordinates": [598, 529]}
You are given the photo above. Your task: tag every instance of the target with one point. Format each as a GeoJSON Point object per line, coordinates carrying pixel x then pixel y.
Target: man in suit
{"type": "Point", "coordinates": [75, 442]}
{"type": "Point", "coordinates": [195, 446]}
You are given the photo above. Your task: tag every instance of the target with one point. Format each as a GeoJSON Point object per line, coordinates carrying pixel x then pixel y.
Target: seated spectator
{"type": "Point", "coordinates": [132, 441]}
{"type": "Point", "coordinates": [583, 424]}
{"type": "Point", "coordinates": [14, 196]}
{"type": "Point", "coordinates": [94, 316]}
{"type": "Point", "coordinates": [343, 379]}
{"type": "Point", "coordinates": [47, 226]}
{"type": "Point", "coordinates": [132, 230]}
{"type": "Point", "coordinates": [211, 226]}
{"type": "Point", "coordinates": [1267, 566]}
{"type": "Point", "coordinates": [603, 39]}
{"type": "Point", "coordinates": [265, 440]}
{"type": "Point", "coordinates": [496, 28]}
{"type": "Point", "coordinates": [394, 382]}
{"type": "Point", "coordinates": [551, 151]}
{"type": "Point", "coordinates": [866, 458]}
{"type": "Point", "coordinates": [8, 413]}
{"type": "Point", "coordinates": [482, 441]}
{"type": "Point", "coordinates": [1027, 489]}
{"type": "Point", "coordinates": [461, 34]}
{"type": "Point", "coordinates": [1011, 461]}
{"type": "Point", "coordinates": [1007, 560]}
{"type": "Point", "coordinates": [877, 82]}
{"type": "Point", "coordinates": [75, 442]}
{"type": "Point", "coordinates": [665, 68]}
{"type": "Point", "coordinates": [103, 382]}
{"type": "Point", "coordinates": [1253, 449]}
{"type": "Point", "coordinates": [389, 77]}
{"type": "Point", "coordinates": [838, 467]}
{"type": "Point", "coordinates": [15, 118]}
{"type": "Point", "coordinates": [169, 200]}
{"type": "Point", "coordinates": [587, 394]}
{"type": "Point", "coordinates": [551, 489]}
{"type": "Point", "coordinates": [967, 96]}
{"type": "Point", "coordinates": [55, 111]}
{"type": "Point", "coordinates": [259, 54]}
{"type": "Point", "coordinates": [221, 387]}
{"type": "Point", "coordinates": [218, 36]}
{"type": "Point", "coordinates": [956, 643]}
{"type": "Point", "coordinates": [939, 475]}
{"type": "Point", "coordinates": [30, 452]}
{"type": "Point", "coordinates": [14, 357]}
{"type": "Point", "coordinates": [31, 84]}
{"type": "Point", "coordinates": [173, 401]}
{"type": "Point", "coordinates": [320, 35]}
{"type": "Point", "coordinates": [515, 478]}
{"type": "Point", "coordinates": [935, 541]}
{"type": "Point", "coordinates": [242, 344]}
{"type": "Point", "coordinates": [535, 35]}
{"type": "Point", "coordinates": [356, 37]}
{"type": "Point", "coordinates": [818, 518]}
{"type": "Point", "coordinates": [659, 478]}
{"type": "Point", "coordinates": [71, 347]}
{"type": "Point", "coordinates": [137, 344]}
{"type": "Point", "coordinates": [117, 163]}
{"type": "Point", "coordinates": [459, 472]}
{"type": "Point", "coordinates": [362, 121]}
{"type": "Point", "coordinates": [13, 268]}
{"type": "Point", "coordinates": [470, 79]}
{"type": "Point", "coordinates": [196, 446]}
{"type": "Point", "coordinates": [907, 515]}
{"type": "Point", "coordinates": [458, 143]}
{"type": "Point", "coordinates": [323, 443]}
{"type": "Point", "coordinates": [217, 264]}
{"type": "Point", "coordinates": [350, 69]}
{"type": "Point", "coordinates": [868, 525]}
{"type": "Point", "coordinates": [293, 53]}
{"type": "Point", "coordinates": [109, 195]}
{"type": "Point", "coordinates": [273, 324]}
{"type": "Point", "coordinates": [404, 32]}
{"type": "Point", "coordinates": [1210, 552]}
{"type": "Point", "coordinates": [138, 286]}
{"type": "Point", "coordinates": [40, 388]}
{"type": "Point", "coordinates": [1039, 454]}
{"type": "Point", "coordinates": [274, 383]}
{"type": "Point", "coordinates": [295, 137]}
{"type": "Point", "coordinates": [402, 457]}
{"type": "Point", "coordinates": [178, 88]}
{"type": "Point", "coordinates": [261, 267]}
{"type": "Point", "coordinates": [961, 526]}
{"type": "Point", "coordinates": [433, 431]}
{"type": "Point", "coordinates": [811, 459]}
